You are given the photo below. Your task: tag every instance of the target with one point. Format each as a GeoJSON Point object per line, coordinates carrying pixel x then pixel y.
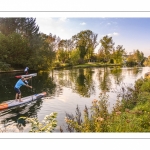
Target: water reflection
{"type": "Point", "coordinates": [104, 80]}
{"type": "Point", "coordinates": [117, 74]}
{"type": "Point", "coordinates": [84, 84]}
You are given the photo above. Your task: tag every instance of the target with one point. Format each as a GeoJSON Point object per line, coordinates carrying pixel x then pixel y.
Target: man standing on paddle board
{"type": "Point", "coordinates": [20, 83]}
{"type": "Point", "coordinates": [26, 70]}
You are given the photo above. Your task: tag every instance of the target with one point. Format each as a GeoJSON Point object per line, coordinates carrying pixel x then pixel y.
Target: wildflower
{"type": "Point", "coordinates": [100, 119]}
{"type": "Point", "coordinates": [127, 110]}
{"type": "Point", "coordinates": [94, 101]}
{"type": "Point", "coordinates": [67, 120]}
{"type": "Point", "coordinates": [118, 113]}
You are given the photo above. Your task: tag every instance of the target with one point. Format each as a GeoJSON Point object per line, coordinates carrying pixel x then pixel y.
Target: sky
{"type": "Point", "coordinates": [132, 33]}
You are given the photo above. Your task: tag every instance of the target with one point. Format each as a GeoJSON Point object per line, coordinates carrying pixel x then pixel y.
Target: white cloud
{"type": "Point", "coordinates": [55, 26]}
{"type": "Point", "coordinates": [108, 23]}
{"type": "Point", "coordinates": [115, 33]}
{"type": "Point", "coordinates": [83, 23]}
{"type": "Point", "coordinates": [63, 19]}
{"type": "Point", "coordinates": [109, 34]}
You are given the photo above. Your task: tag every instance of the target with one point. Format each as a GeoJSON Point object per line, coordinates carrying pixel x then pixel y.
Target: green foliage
{"type": "Point", "coordinates": [21, 42]}
{"type": "Point", "coordinates": [147, 61]}
{"type": "Point", "coordinates": [118, 54]}
{"type": "Point", "coordinates": [85, 42]}
{"type": "Point", "coordinates": [23, 26]}
{"type": "Point", "coordinates": [136, 58]}
{"type": "Point", "coordinates": [47, 125]}
{"type": "Point", "coordinates": [107, 46]}
{"type": "Point", "coordinates": [131, 114]}
{"type": "Point", "coordinates": [145, 87]}
{"type": "Point", "coordinates": [4, 66]}
{"type": "Point", "coordinates": [57, 64]}
{"type": "Point", "coordinates": [75, 56]}
{"type": "Point", "coordinates": [93, 121]}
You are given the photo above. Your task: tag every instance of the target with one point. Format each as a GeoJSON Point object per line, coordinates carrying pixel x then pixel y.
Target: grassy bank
{"type": "Point", "coordinates": [85, 65]}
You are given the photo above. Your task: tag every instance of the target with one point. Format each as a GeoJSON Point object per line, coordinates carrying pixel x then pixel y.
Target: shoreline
{"type": "Point", "coordinates": [11, 71]}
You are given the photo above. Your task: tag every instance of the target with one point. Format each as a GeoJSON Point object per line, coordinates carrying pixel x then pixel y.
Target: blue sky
{"type": "Point", "coordinates": [132, 33]}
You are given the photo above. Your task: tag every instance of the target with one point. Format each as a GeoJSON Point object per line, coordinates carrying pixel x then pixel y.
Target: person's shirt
{"type": "Point", "coordinates": [19, 84]}
{"type": "Point", "coordinates": [26, 69]}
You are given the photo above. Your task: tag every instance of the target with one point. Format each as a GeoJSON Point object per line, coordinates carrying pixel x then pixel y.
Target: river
{"type": "Point", "coordinates": [65, 89]}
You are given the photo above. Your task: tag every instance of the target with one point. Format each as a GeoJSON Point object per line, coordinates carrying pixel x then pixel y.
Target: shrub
{"type": "Point", "coordinates": [47, 125]}
{"type": "Point", "coordinates": [5, 66]}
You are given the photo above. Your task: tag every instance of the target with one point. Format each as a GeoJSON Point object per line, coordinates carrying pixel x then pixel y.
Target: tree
{"type": "Point", "coordinates": [8, 25]}
{"type": "Point", "coordinates": [147, 61]}
{"type": "Point", "coordinates": [85, 41]}
{"type": "Point", "coordinates": [118, 54]}
{"type": "Point", "coordinates": [66, 46]}
{"type": "Point", "coordinates": [24, 26]}
{"type": "Point", "coordinates": [47, 51]}
{"type": "Point", "coordinates": [3, 47]}
{"type": "Point", "coordinates": [107, 46]}
{"type": "Point", "coordinates": [75, 56]}
{"type": "Point", "coordinates": [138, 56]}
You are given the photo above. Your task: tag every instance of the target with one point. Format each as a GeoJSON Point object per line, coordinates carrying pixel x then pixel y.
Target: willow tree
{"type": "Point", "coordinates": [85, 41]}
{"type": "Point", "coordinates": [107, 47]}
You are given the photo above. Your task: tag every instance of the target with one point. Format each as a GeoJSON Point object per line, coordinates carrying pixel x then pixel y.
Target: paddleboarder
{"type": "Point", "coordinates": [20, 83]}
{"type": "Point", "coordinates": [26, 70]}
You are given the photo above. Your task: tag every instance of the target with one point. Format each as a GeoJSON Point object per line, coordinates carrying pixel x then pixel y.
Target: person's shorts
{"type": "Point", "coordinates": [17, 90]}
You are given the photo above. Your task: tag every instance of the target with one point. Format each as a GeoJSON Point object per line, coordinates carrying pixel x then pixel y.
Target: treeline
{"type": "Point", "coordinates": [22, 44]}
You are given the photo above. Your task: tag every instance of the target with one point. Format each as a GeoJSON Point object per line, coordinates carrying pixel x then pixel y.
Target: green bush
{"type": "Point", "coordinates": [4, 66]}
{"type": "Point", "coordinates": [57, 64]}
{"type": "Point", "coordinates": [47, 125]}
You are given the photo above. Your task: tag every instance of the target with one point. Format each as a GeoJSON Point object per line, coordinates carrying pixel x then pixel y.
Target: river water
{"type": "Point", "coordinates": [65, 90]}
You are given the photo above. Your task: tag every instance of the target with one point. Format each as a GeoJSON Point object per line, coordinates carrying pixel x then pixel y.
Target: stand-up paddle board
{"type": "Point", "coordinates": [25, 100]}
{"type": "Point", "coordinates": [28, 75]}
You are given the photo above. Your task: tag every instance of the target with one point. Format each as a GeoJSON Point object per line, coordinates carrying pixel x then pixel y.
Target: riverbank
{"type": "Point", "coordinates": [13, 70]}
{"type": "Point", "coordinates": [86, 65]}
{"type": "Point", "coordinates": [66, 65]}
{"type": "Point", "coordinates": [9, 71]}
